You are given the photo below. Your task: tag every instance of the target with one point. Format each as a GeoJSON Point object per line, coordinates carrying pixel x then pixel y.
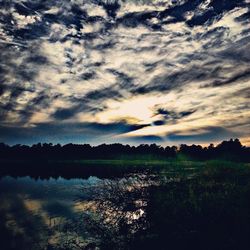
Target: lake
{"type": "Point", "coordinates": [208, 209]}
{"type": "Point", "coordinates": [59, 213]}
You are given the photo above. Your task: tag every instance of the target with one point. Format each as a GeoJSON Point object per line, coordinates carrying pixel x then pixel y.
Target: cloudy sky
{"type": "Point", "coordinates": [94, 71]}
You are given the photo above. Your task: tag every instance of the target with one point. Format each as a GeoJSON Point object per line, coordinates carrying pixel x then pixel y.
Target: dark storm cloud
{"type": "Point", "coordinates": [215, 33]}
{"type": "Point", "coordinates": [137, 18]}
{"type": "Point", "coordinates": [159, 122]}
{"type": "Point", "coordinates": [207, 17]}
{"type": "Point", "coordinates": [39, 102]}
{"type": "Point", "coordinates": [26, 73]}
{"type": "Point", "coordinates": [121, 127]}
{"type": "Point", "coordinates": [245, 93]}
{"type": "Point", "coordinates": [2, 89]}
{"type": "Point", "coordinates": [42, 132]}
{"type": "Point", "coordinates": [210, 134]}
{"type": "Point", "coordinates": [207, 71]}
{"type": "Point", "coordinates": [111, 7]}
{"type": "Point", "coordinates": [142, 49]}
{"type": "Point", "coordinates": [80, 105]}
{"type": "Point", "coordinates": [238, 51]}
{"type": "Point", "coordinates": [146, 139]}
{"type": "Point", "coordinates": [74, 14]}
{"type": "Point", "coordinates": [68, 16]}
{"type": "Point", "coordinates": [66, 113]}
{"type": "Point", "coordinates": [28, 7]}
{"type": "Point", "coordinates": [177, 79]}
{"type": "Point", "coordinates": [60, 132]}
{"type": "Point", "coordinates": [27, 69]}
{"type": "Point", "coordinates": [152, 66]}
{"type": "Point", "coordinates": [242, 76]}
{"type": "Point", "coordinates": [36, 104]}
{"type": "Point", "coordinates": [244, 17]}
{"type": "Point", "coordinates": [178, 12]}
{"type": "Point", "coordinates": [125, 81]}
{"type": "Point", "coordinates": [214, 37]}
{"type": "Point", "coordinates": [14, 78]}
{"type": "Point", "coordinates": [105, 45]}
{"type": "Point", "coordinates": [36, 59]}
{"type": "Point", "coordinates": [87, 104]}
{"type": "Point", "coordinates": [215, 9]}
{"type": "Point", "coordinates": [42, 98]}
{"type": "Point", "coordinates": [32, 31]}
{"type": "Point", "coordinates": [172, 115]}
{"type": "Point", "coordinates": [103, 94]}
{"type": "Point", "coordinates": [88, 75]}
{"type": "Point", "coordinates": [15, 91]}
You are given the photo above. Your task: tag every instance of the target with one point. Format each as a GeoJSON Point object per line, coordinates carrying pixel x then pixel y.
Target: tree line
{"type": "Point", "coordinates": [228, 150]}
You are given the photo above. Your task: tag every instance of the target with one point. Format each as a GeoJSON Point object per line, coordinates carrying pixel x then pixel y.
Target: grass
{"type": "Point", "coordinates": [208, 211]}
{"type": "Point", "coordinates": [177, 167]}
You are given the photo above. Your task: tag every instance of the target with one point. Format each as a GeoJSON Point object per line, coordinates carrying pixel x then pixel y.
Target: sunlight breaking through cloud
{"type": "Point", "coordinates": [179, 68]}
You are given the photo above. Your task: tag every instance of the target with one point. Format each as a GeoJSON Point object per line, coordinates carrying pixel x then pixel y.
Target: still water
{"type": "Point", "coordinates": [67, 214]}
{"type": "Point", "coordinates": [137, 211]}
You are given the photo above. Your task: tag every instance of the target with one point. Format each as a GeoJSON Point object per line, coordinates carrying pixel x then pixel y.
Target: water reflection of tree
{"type": "Point", "coordinates": [141, 212]}
{"type": "Point", "coordinates": [116, 212]}
{"type": "Point", "coordinates": [207, 212]}
{"type": "Point", "coordinates": [113, 215]}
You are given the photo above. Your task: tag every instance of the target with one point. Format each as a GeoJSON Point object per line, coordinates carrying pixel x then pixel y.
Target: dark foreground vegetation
{"type": "Point", "coordinates": [227, 150]}
{"type": "Point", "coordinates": [150, 197]}
{"type": "Point", "coordinates": [209, 210]}
{"type": "Point", "coordinates": [114, 160]}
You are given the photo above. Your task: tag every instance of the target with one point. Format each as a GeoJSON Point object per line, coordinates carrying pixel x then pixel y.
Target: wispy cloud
{"type": "Point", "coordinates": [136, 70]}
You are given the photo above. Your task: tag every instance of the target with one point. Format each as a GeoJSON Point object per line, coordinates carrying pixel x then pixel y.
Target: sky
{"type": "Point", "coordinates": [108, 71]}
